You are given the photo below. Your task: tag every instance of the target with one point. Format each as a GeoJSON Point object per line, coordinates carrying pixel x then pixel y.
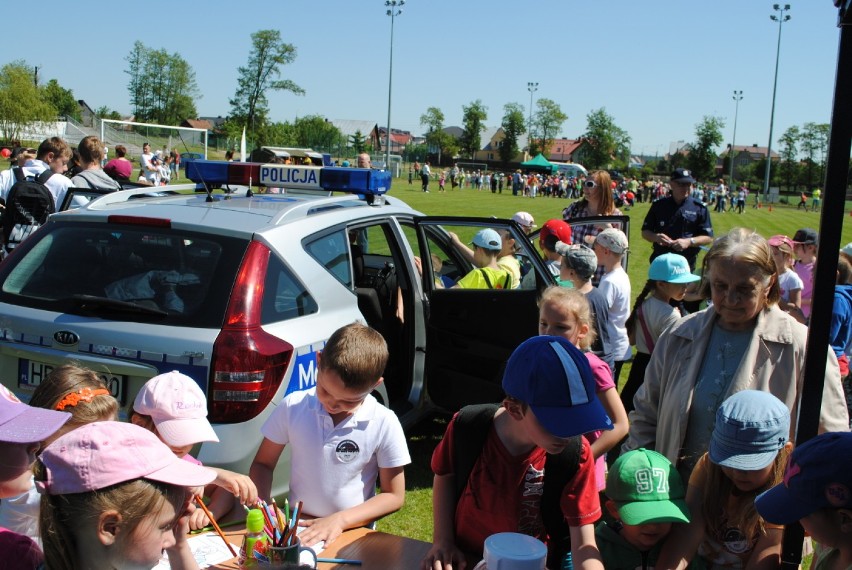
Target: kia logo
{"type": "Point", "coordinates": [66, 337]}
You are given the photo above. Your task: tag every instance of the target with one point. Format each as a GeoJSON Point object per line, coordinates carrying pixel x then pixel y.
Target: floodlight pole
{"type": "Point", "coordinates": [393, 12]}
{"type": "Point", "coordinates": [738, 96]}
{"type": "Point", "coordinates": [780, 18]}
{"type": "Point", "coordinates": [532, 87]}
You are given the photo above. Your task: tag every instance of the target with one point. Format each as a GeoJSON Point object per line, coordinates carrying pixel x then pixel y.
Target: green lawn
{"type": "Point", "coordinates": [415, 519]}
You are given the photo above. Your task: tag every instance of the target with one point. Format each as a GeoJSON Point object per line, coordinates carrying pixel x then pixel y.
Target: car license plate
{"type": "Point", "coordinates": [31, 373]}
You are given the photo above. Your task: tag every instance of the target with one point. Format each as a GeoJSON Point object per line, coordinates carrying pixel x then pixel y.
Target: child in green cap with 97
{"type": "Point", "coordinates": [645, 496]}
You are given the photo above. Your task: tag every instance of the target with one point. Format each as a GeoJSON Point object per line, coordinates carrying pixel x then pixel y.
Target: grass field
{"type": "Point", "coordinates": [415, 519]}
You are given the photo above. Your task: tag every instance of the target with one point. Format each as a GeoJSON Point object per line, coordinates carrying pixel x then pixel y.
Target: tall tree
{"type": "Point", "coordinates": [605, 139]}
{"type": "Point", "coordinates": [789, 150]}
{"type": "Point", "coordinates": [314, 131]}
{"type": "Point", "coordinates": [473, 119]}
{"type": "Point", "coordinates": [62, 99]}
{"type": "Point", "coordinates": [547, 121]}
{"type": "Point", "coordinates": [513, 127]}
{"type": "Point", "coordinates": [702, 155]}
{"type": "Point", "coordinates": [357, 141]}
{"type": "Point", "coordinates": [436, 137]}
{"type": "Point", "coordinates": [162, 86]}
{"type": "Point", "coordinates": [21, 102]}
{"type": "Point", "coordinates": [810, 145]}
{"type": "Point", "coordinates": [260, 75]}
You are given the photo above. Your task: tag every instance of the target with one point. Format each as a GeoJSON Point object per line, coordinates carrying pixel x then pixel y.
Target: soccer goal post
{"type": "Point", "coordinates": [161, 137]}
{"type": "Point", "coordinates": [473, 166]}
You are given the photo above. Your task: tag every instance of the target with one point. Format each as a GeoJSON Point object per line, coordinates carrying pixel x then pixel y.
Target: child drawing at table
{"type": "Point", "coordinates": [22, 429]}
{"type": "Point", "coordinates": [173, 407]}
{"type": "Point", "coordinates": [114, 496]}
{"type": "Point", "coordinates": [342, 440]}
{"type": "Point", "coordinates": [513, 485]}
{"type": "Point", "coordinates": [68, 388]}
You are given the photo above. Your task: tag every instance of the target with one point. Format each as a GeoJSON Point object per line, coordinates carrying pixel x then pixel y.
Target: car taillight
{"type": "Point", "coordinates": [248, 364]}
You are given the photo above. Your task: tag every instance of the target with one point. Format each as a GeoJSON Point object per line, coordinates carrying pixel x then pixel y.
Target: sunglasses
{"type": "Point", "coordinates": [589, 184]}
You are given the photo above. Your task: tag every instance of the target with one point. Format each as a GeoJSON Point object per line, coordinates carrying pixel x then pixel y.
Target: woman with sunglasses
{"type": "Point", "coordinates": [597, 200]}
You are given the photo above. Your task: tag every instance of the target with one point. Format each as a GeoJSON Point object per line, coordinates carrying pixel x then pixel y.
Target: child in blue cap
{"type": "Point", "coordinates": [817, 492]}
{"type": "Point", "coordinates": [550, 401]}
{"type": "Point", "coordinates": [748, 450]}
{"type": "Point", "coordinates": [487, 274]}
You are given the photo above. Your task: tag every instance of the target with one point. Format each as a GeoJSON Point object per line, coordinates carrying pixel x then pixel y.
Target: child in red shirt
{"type": "Point", "coordinates": [550, 397]}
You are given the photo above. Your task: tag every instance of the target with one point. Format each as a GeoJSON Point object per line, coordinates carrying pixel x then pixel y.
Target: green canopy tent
{"type": "Point", "coordinates": [538, 163]}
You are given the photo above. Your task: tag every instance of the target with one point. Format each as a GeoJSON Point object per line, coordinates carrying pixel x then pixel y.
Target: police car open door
{"type": "Point", "coordinates": [472, 329]}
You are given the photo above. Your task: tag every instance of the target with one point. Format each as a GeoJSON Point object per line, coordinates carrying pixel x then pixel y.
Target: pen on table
{"type": "Point", "coordinates": [339, 561]}
{"type": "Point", "coordinates": [207, 512]}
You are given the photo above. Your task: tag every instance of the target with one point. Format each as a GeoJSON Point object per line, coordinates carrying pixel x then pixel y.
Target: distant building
{"type": "Point", "coordinates": [398, 139]}
{"type": "Point", "coordinates": [743, 156]}
{"type": "Point", "coordinates": [368, 129]}
{"type": "Point", "coordinates": [491, 140]}
{"type": "Point", "coordinates": [568, 150]}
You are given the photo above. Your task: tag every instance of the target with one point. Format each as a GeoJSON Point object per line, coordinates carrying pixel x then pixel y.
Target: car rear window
{"type": "Point", "coordinates": [161, 275]}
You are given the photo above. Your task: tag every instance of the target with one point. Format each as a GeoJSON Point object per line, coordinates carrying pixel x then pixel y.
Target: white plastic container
{"type": "Point", "coordinates": [513, 551]}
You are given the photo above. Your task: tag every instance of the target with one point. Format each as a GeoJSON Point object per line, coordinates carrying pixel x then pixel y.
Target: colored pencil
{"type": "Point", "coordinates": [222, 525]}
{"type": "Point", "coordinates": [339, 561]}
{"type": "Point", "coordinates": [297, 514]}
{"type": "Point", "coordinates": [207, 512]}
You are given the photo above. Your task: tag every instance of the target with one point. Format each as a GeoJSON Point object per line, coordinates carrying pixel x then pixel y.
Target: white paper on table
{"type": "Point", "coordinates": [318, 548]}
{"type": "Point", "coordinates": [207, 549]}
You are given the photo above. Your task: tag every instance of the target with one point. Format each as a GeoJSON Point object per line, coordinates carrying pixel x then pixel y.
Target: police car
{"type": "Point", "coordinates": [240, 290]}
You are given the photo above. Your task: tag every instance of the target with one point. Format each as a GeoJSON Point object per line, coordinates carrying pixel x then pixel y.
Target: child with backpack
{"type": "Point", "coordinates": [566, 313]}
{"type": "Point", "coordinates": [523, 466]}
{"type": "Point", "coordinates": [32, 192]}
{"type": "Point", "coordinates": [816, 492]}
{"type": "Point", "coordinates": [668, 279]}
{"type": "Point", "coordinates": [747, 455]}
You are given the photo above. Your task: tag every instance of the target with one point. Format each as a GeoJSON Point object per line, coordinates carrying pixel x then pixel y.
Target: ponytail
{"type": "Point", "coordinates": [629, 324]}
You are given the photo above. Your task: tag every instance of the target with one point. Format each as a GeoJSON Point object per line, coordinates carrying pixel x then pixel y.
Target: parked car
{"type": "Point", "coordinates": [240, 292]}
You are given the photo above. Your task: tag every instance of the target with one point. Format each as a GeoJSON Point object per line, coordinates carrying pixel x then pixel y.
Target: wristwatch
{"type": "Point", "coordinates": [691, 241]}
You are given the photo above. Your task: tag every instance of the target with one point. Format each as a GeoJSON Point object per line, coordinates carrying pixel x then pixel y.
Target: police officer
{"type": "Point", "coordinates": [678, 223]}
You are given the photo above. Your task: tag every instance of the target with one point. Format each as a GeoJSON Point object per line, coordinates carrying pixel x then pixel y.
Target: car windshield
{"type": "Point", "coordinates": [127, 273]}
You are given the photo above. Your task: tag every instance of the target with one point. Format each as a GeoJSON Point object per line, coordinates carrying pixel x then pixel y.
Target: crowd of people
{"type": "Point", "coordinates": [692, 464]}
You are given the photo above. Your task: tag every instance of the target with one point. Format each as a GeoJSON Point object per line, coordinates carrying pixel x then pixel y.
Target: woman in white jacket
{"type": "Point", "coordinates": [743, 341]}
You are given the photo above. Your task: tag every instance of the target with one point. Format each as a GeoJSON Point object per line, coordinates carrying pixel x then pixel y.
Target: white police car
{"type": "Point", "coordinates": [240, 292]}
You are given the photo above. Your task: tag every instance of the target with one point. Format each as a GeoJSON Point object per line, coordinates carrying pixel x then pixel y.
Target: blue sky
{"type": "Point", "coordinates": [657, 66]}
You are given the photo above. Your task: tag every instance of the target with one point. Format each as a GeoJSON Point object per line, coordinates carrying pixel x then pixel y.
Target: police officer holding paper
{"type": "Point", "coordinates": [678, 223]}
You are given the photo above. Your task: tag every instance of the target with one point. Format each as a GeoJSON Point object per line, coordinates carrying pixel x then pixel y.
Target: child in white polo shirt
{"type": "Point", "coordinates": [342, 440]}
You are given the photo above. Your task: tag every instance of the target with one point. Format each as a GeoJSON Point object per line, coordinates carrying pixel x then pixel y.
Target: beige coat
{"type": "Point", "coordinates": [774, 362]}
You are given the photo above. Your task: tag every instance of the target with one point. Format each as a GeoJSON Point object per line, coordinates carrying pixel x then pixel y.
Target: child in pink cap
{"type": "Point", "coordinates": [22, 428]}
{"type": "Point", "coordinates": [173, 407]}
{"type": "Point", "coordinates": [114, 496]}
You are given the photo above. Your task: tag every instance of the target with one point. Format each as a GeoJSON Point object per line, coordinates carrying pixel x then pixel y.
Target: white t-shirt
{"type": "Point", "coordinates": [789, 281]}
{"type": "Point", "coordinates": [615, 287]}
{"type": "Point", "coordinates": [57, 184]}
{"type": "Point", "coordinates": [335, 467]}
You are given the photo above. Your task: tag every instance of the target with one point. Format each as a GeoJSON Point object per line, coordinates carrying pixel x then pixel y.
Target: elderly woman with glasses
{"type": "Point", "coordinates": [597, 200]}
{"type": "Point", "coordinates": [743, 341]}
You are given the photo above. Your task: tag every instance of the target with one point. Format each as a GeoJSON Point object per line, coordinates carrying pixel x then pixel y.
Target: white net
{"type": "Point", "coordinates": [161, 137]}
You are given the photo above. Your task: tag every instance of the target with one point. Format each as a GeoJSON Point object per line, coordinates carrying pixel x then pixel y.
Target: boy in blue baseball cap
{"type": "Point", "coordinates": [487, 274]}
{"type": "Point", "coordinates": [495, 468]}
{"type": "Point", "coordinates": [817, 492]}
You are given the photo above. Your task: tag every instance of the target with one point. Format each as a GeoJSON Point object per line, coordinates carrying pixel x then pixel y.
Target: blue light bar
{"type": "Point", "coordinates": [356, 180]}
{"type": "Point", "coordinates": [364, 181]}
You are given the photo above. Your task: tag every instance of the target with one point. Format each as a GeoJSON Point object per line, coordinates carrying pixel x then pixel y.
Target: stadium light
{"type": "Point", "coordinates": [394, 9]}
{"type": "Point", "coordinates": [780, 18]}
